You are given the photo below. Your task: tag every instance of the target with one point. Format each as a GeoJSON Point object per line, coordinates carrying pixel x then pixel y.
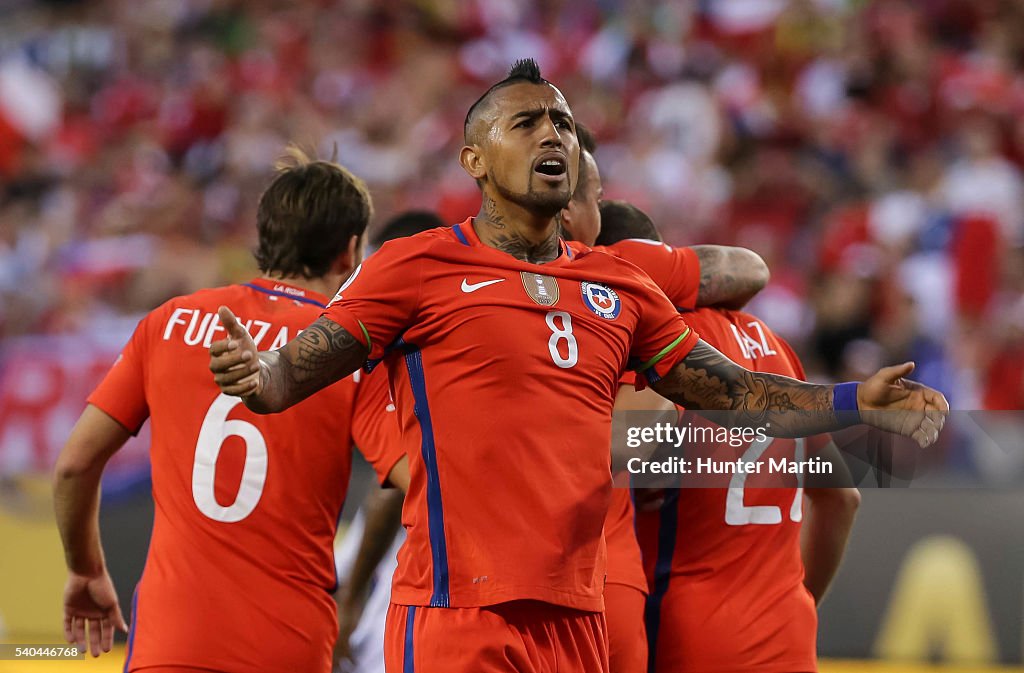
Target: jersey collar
{"type": "Point", "coordinates": [466, 234]}
{"type": "Point", "coordinates": [280, 288]}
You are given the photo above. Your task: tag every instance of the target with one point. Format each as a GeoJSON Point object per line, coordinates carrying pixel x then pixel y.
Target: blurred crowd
{"type": "Point", "coordinates": [870, 151]}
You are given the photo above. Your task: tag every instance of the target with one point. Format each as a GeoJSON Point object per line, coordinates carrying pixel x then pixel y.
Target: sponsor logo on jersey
{"type": "Point", "coordinates": [601, 299]}
{"type": "Point", "coordinates": [468, 287]}
{"type": "Point", "coordinates": [542, 289]}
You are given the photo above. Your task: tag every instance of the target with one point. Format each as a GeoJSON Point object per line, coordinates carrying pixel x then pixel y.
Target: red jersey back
{"type": "Point", "coordinates": [723, 564]}
{"type": "Point", "coordinates": [240, 566]}
{"type": "Point", "coordinates": [504, 375]}
{"type": "Point", "coordinates": [676, 271]}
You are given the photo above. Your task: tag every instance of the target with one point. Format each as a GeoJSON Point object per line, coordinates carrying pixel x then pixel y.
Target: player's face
{"type": "Point", "coordinates": [531, 152]}
{"type": "Point", "coordinates": [582, 217]}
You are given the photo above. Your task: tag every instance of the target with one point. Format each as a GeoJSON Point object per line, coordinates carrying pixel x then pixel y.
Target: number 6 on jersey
{"type": "Point", "coordinates": [215, 429]}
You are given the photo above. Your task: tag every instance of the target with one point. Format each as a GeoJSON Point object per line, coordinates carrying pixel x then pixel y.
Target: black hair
{"type": "Point", "coordinates": [407, 224]}
{"type": "Point", "coordinates": [586, 138]}
{"type": "Point", "coordinates": [523, 70]}
{"type": "Point", "coordinates": [588, 145]}
{"type": "Point", "coordinates": [621, 220]}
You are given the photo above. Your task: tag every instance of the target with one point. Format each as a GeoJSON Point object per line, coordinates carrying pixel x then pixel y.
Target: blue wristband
{"type": "Point", "coordinates": [844, 400]}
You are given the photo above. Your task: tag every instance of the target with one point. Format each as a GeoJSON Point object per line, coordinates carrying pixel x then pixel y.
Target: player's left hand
{"type": "Point", "coordinates": [91, 602]}
{"type": "Point", "coordinates": [350, 611]}
{"type": "Point", "coordinates": [890, 402]}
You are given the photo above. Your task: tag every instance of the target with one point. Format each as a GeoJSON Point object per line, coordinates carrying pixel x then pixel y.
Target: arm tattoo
{"type": "Point", "coordinates": [323, 353]}
{"type": "Point", "coordinates": [706, 379]}
{"type": "Point", "coordinates": [729, 277]}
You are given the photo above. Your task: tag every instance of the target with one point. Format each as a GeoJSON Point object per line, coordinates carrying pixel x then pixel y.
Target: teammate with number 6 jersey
{"type": "Point", "coordinates": [727, 581]}
{"type": "Point", "coordinates": [240, 568]}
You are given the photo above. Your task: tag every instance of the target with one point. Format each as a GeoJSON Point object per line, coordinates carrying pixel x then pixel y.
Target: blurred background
{"type": "Point", "coordinates": [870, 151]}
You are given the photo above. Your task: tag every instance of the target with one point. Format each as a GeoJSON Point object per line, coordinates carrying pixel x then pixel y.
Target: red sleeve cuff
{"type": "Point", "coordinates": [131, 419]}
{"type": "Point", "coordinates": [353, 326]}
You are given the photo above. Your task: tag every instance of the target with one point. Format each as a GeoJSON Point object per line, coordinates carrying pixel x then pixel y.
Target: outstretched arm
{"type": "Point", "coordinates": [272, 381]}
{"type": "Point", "coordinates": [729, 276]}
{"type": "Point", "coordinates": [90, 601]}
{"type": "Point", "coordinates": [706, 379]}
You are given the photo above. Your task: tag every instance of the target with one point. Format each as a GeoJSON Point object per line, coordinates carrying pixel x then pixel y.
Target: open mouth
{"type": "Point", "coordinates": [552, 167]}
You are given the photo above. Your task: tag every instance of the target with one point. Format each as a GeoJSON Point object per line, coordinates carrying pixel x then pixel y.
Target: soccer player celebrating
{"type": "Point", "coordinates": [504, 350]}
{"type": "Point", "coordinates": [240, 567]}
{"type": "Point", "coordinates": [729, 589]}
{"type": "Point", "coordinates": [690, 277]}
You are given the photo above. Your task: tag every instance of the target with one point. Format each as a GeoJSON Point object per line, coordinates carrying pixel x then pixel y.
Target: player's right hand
{"type": "Point", "coordinates": [235, 361]}
{"type": "Point", "coordinates": [91, 602]}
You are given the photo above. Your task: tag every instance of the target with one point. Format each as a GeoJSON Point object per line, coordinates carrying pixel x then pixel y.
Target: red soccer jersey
{"type": "Point", "coordinates": [723, 564]}
{"type": "Point", "coordinates": [240, 567]}
{"type": "Point", "coordinates": [676, 271]}
{"type": "Point", "coordinates": [624, 563]}
{"type": "Point", "coordinates": [504, 374]}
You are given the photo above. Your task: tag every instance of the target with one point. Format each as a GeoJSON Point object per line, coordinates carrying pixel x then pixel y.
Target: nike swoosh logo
{"type": "Point", "coordinates": [473, 287]}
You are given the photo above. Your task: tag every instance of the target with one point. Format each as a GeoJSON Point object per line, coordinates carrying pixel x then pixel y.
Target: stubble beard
{"type": "Point", "coordinates": [543, 203]}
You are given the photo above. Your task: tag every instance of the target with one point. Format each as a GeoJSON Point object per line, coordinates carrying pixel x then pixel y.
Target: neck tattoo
{"type": "Point", "coordinates": [491, 216]}
{"type": "Point", "coordinates": [524, 249]}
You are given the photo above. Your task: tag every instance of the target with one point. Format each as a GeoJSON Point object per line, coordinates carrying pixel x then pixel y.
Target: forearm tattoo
{"type": "Point", "coordinates": [706, 379]}
{"type": "Point", "coordinates": [323, 353]}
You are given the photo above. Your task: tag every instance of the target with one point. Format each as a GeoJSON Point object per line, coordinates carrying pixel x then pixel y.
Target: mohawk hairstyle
{"type": "Point", "coordinates": [523, 70]}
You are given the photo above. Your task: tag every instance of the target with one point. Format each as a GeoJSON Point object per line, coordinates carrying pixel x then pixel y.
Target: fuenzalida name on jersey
{"type": "Point", "coordinates": [199, 327]}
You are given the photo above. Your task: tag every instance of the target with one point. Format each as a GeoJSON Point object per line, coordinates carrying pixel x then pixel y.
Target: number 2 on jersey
{"type": "Point", "coordinates": [738, 514]}
{"type": "Point", "coordinates": [215, 430]}
{"type": "Point", "coordinates": [557, 335]}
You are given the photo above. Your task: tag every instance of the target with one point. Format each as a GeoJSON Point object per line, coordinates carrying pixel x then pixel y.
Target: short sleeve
{"type": "Point", "coordinates": [798, 366]}
{"type": "Point", "coordinates": [675, 270]}
{"type": "Point", "coordinates": [662, 337]}
{"type": "Point", "coordinates": [378, 300]}
{"type": "Point", "coordinates": [375, 424]}
{"type": "Point", "coordinates": [122, 392]}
